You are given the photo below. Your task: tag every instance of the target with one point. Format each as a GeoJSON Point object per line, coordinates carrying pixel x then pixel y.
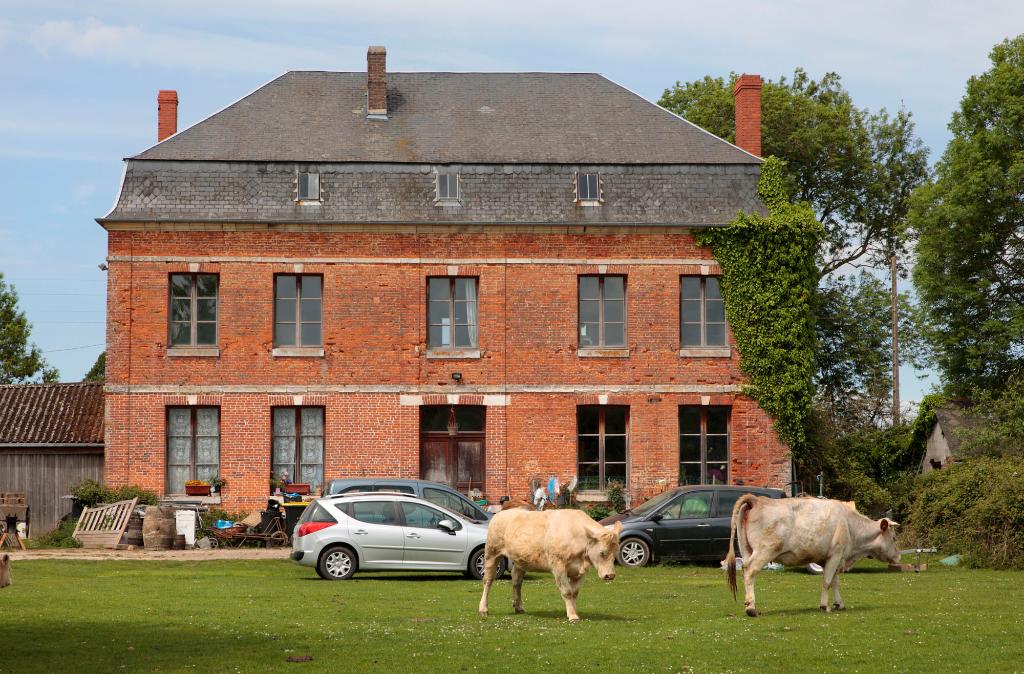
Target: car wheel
{"type": "Point", "coordinates": [475, 568]}
{"type": "Point", "coordinates": [634, 552]}
{"type": "Point", "coordinates": [337, 563]}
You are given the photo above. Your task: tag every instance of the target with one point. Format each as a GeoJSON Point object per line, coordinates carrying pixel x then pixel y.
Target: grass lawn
{"type": "Point", "coordinates": [127, 616]}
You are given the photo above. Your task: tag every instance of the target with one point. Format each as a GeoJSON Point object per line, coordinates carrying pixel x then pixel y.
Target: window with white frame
{"type": "Point", "coordinates": [588, 188]}
{"type": "Point", "coordinates": [309, 187]}
{"type": "Point", "coordinates": [448, 188]}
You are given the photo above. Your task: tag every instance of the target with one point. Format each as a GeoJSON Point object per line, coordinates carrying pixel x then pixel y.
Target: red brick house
{"type": "Point", "coordinates": [476, 278]}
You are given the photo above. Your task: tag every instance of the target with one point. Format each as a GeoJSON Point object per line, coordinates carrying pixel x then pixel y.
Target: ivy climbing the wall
{"type": "Point", "coordinates": [769, 280]}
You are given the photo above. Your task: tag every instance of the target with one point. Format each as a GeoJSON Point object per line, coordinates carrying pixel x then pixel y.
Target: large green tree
{"type": "Point", "coordinates": [854, 378]}
{"type": "Point", "coordinates": [855, 167]}
{"type": "Point", "coordinates": [969, 272]}
{"type": "Point", "coordinates": [20, 362]}
{"type": "Point", "coordinates": [857, 170]}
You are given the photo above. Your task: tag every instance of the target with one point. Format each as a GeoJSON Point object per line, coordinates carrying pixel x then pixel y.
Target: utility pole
{"type": "Point", "coordinates": [895, 347]}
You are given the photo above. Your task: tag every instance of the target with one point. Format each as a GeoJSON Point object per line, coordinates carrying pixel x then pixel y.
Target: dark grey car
{"type": "Point", "coordinates": [435, 492]}
{"type": "Point", "coordinates": [686, 523]}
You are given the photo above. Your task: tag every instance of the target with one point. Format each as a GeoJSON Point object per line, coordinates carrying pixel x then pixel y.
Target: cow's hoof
{"type": "Point", "coordinates": [825, 608]}
{"type": "Point", "coordinates": [840, 607]}
{"type": "Point", "coordinates": [752, 612]}
{"type": "Point", "coordinates": [483, 614]}
{"type": "Point", "coordinates": [520, 609]}
{"type": "Point", "coordinates": [574, 621]}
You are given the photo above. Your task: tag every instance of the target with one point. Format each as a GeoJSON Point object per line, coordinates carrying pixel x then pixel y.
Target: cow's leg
{"type": "Point", "coordinates": [835, 592]}
{"type": "Point", "coordinates": [490, 572]}
{"type": "Point", "coordinates": [750, 568]}
{"type": "Point", "coordinates": [565, 587]}
{"type": "Point", "coordinates": [828, 578]}
{"type": "Point", "coordinates": [518, 573]}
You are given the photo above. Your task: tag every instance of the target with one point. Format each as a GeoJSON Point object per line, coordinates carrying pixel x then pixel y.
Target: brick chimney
{"type": "Point", "coordinates": [166, 114]}
{"type": "Point", "coordinates": [376, 81]}
{"type": "Point", "coordinates": [747, 93]}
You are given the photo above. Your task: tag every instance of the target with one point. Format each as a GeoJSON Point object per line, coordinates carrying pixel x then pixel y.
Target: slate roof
{"type": "Point", "coordinates": [955, 422]}
{"type": "Point", "coordinates": [51, 414]}
{"type": "Point", "coordinates": [483, 118]}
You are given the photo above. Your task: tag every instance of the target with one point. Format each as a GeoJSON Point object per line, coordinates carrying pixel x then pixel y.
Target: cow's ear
{"type": "Point", "coordinates": [884, 524]}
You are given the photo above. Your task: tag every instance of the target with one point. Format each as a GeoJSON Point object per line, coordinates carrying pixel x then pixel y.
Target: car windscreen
{"type": "Point", "coordinates": [454, 503]}
{"type": "Point", "coordinates": [655, 503]}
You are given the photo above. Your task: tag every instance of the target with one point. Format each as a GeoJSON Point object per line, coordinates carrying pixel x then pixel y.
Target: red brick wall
{"type": "Point", "coordinates": [374, 336]}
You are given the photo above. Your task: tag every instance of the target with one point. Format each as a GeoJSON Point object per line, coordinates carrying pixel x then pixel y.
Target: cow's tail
{"type": "Point", "coordinates": [736, 534]}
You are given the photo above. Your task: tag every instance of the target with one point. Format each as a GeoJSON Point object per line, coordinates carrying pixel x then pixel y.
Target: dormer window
{"type": "Point", "coordinates": [588, 189]}
{"type": "Point", "coordinates": [448, 188]}
{"type": "Point", "coordinates": [309, 187]}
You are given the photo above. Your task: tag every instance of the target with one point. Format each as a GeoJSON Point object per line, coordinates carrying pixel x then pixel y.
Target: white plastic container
{"type": "Point", "coordinates": [185, 523]}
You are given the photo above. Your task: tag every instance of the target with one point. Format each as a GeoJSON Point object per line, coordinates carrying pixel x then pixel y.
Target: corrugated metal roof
{"type": "Point", "coordinates": [483, 118]}
{"type": "Point", "coordinates": [51, 413]}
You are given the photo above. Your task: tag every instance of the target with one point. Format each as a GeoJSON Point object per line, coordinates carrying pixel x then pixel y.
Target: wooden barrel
{"type": "Point", "coordinates": [158, 528]}
{"type": "Point", "coordinates": [133, 534]}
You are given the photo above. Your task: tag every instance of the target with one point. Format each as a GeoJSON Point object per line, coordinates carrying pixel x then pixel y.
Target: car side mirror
{"type": "Point", "coordinates": [656, 517]}
{"type": "Point", "coordinates": [448, 526]}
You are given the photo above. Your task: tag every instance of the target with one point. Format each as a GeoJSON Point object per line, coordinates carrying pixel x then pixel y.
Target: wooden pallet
{"type": "Point", "coordinates": [104, 525]}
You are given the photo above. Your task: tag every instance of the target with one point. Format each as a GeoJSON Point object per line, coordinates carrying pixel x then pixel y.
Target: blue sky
{"type": "Point", "coordinates": [79, 82]}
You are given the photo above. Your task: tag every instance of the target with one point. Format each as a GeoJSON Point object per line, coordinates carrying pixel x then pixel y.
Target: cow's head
{"type": "Point", "coordinates": [5, 570]}
{"type": "Point", "coordinates": [602, 548]}
{"type": "Point", "coordinates": [884, 545]}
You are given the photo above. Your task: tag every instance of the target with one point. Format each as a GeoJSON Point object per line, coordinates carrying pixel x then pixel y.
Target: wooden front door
{"type": "Point", "coordinates": [456, 460]}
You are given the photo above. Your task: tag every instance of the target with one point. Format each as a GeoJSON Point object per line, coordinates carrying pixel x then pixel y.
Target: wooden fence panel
{"type": "Point", "coordinates": [104, 525]}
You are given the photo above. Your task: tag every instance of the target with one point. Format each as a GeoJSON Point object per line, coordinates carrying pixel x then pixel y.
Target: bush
{"type": "Point", "coordinates": [598, 511]}
{"type": "Point", "coordinates": [91, 493]}
{"type": "Point", "coordinates": [975, 508]}
{"type": "Point", "coordinates": [58, 538]}
{"type": "Point", "coordinates": [616, 496]}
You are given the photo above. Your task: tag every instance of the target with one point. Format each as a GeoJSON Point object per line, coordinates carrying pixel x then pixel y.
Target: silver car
{"type": "Point", "coordinates": [380, 531]}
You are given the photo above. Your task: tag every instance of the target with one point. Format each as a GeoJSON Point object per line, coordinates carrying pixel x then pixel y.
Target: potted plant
{"type": "Point", "coordinates": [197, 488]}
{"type": "Point", "coordinates": [276, 483]}
{"type": "Point", "coordinates": [217, 484]}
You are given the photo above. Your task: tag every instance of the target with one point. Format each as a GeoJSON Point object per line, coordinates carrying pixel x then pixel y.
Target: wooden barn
{"type": "Point", "coordinates": [51, 437]}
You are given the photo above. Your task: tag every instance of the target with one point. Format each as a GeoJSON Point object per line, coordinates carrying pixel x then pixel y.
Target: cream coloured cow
{"type": "Point", "coordinates": [565, 542]}
{"type": "Point", "coordinates": [803, 530]}
{"type": "Point", "coordinates": [5, 571]}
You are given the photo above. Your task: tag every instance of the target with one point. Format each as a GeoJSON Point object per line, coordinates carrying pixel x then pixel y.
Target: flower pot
{"type": "Point", "coordinates": [197, 489]}
{"type": "Point", "coordinates": [296, 488]}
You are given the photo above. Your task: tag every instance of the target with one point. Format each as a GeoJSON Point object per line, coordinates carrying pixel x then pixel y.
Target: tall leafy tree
{"type": "Point", "coordinates": [854, 341]}
{"type": "Point", "coordinates": [20, 362]}
{"type": "Point", "coordinates": [855, 167]}
{"type": "Point", "coordinates": [969, 272]}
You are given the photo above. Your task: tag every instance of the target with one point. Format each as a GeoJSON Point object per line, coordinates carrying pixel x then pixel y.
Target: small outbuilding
{"type": "Point", "coordinates": [51, 437]}
{"type": "Point", "coordinates": [944, 442]}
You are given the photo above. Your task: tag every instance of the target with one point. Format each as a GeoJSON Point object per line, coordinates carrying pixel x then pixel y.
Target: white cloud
{"type": "Point", "coordinates": [84, 38]}
{"type": "Point", "coordinates": [137, 46]}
